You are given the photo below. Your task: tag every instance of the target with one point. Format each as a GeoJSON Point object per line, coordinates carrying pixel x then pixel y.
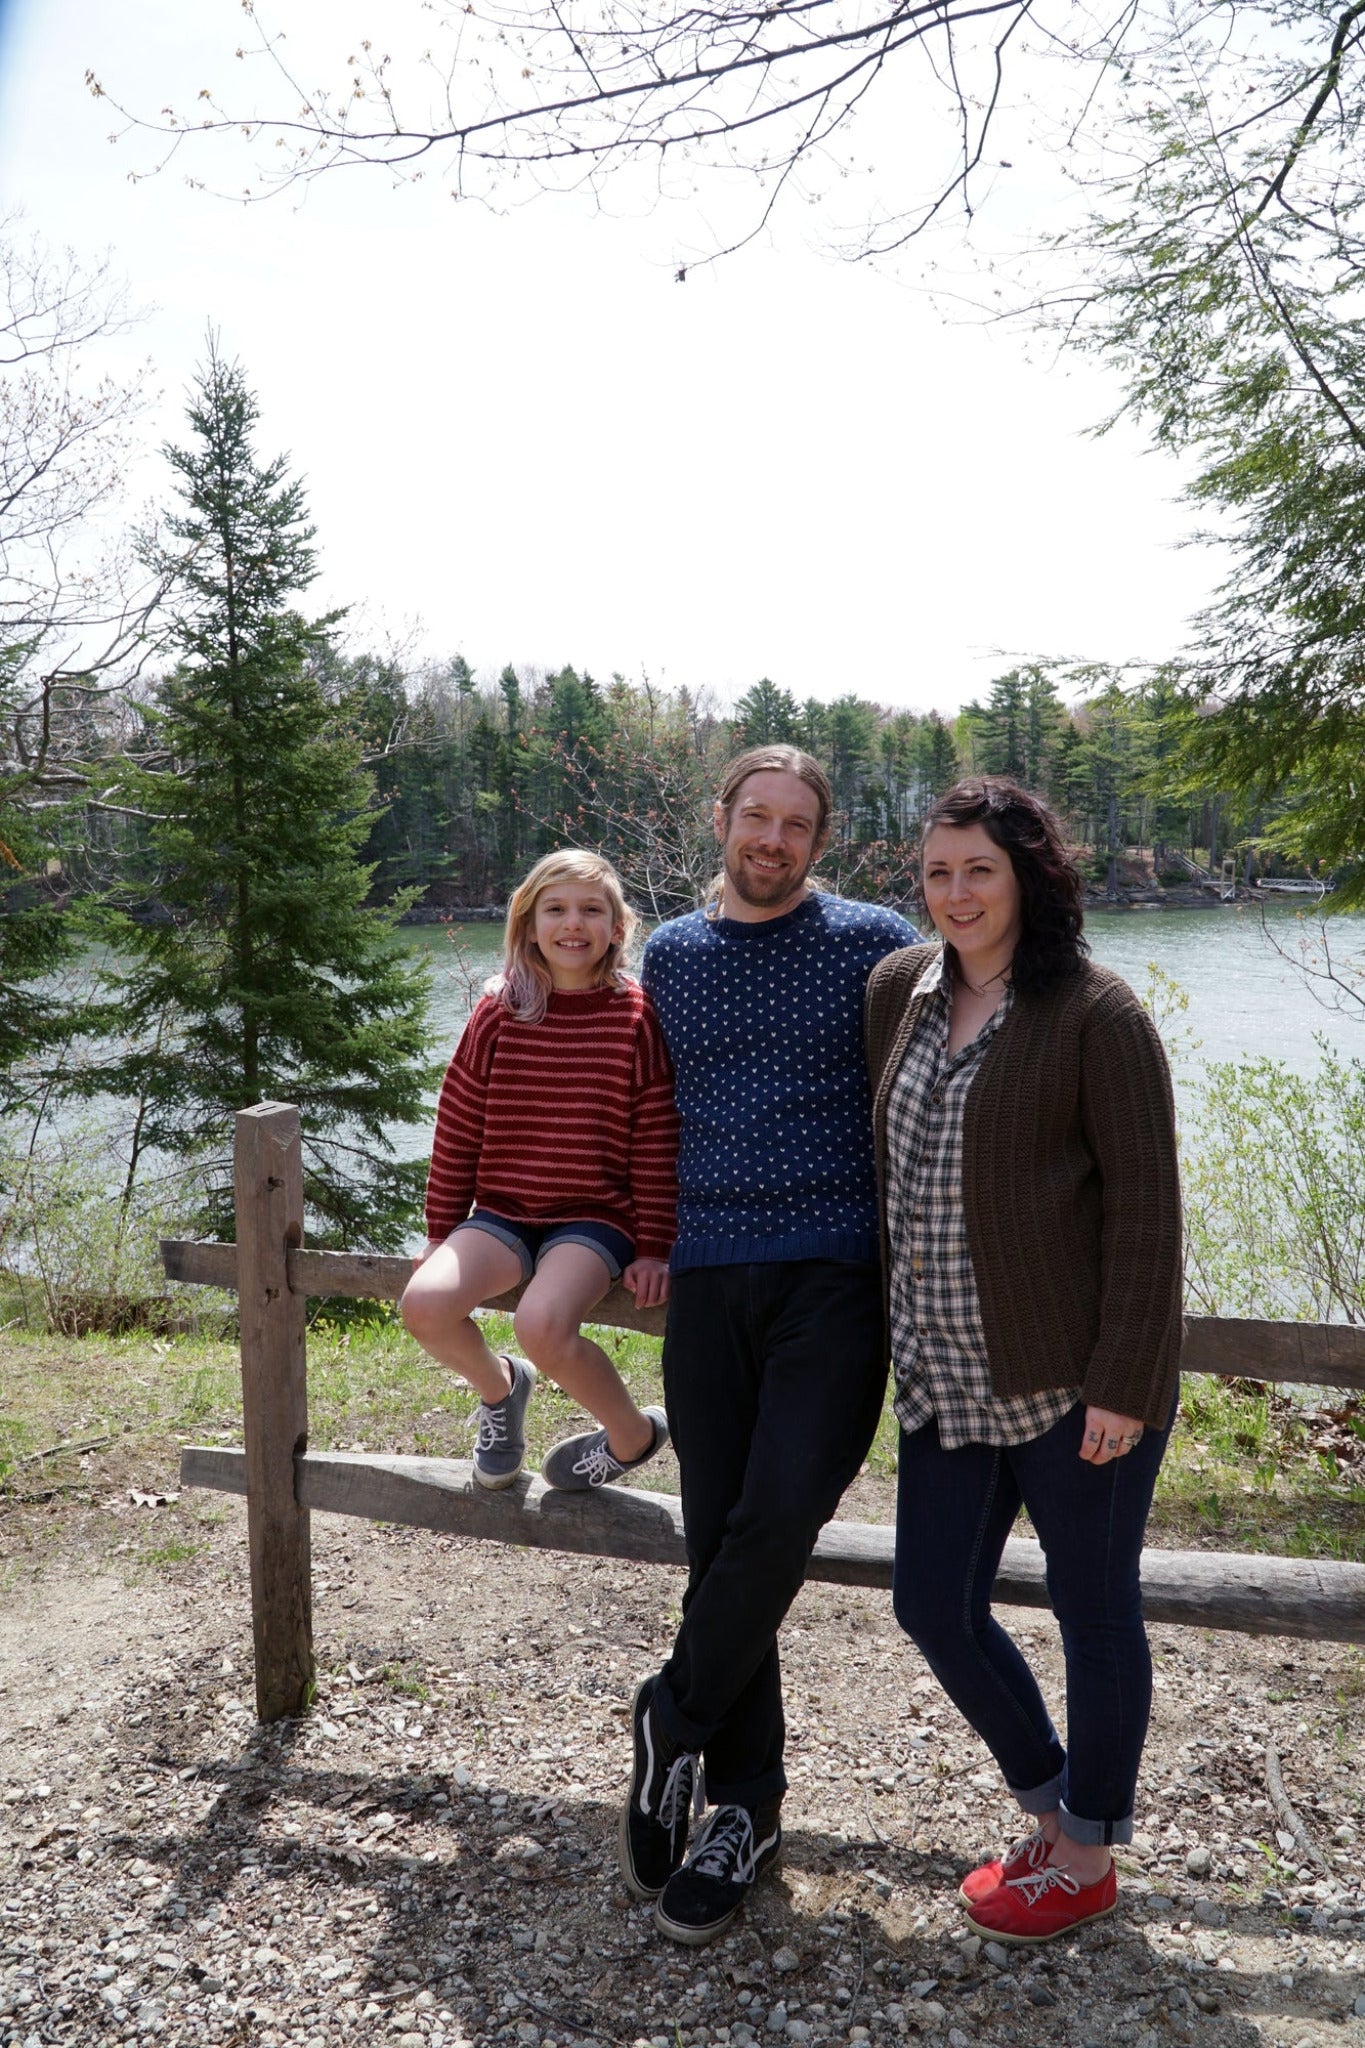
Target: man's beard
{"type": "Point", "coordinates": [761, 894]}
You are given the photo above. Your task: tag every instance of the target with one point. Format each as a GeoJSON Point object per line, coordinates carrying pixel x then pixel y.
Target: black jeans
{"type": "Point", "coordinates": [954, 1511]}
{"type": "Point", "coordinates": [774, 1376]}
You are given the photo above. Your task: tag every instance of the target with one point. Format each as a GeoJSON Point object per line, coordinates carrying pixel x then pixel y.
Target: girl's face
{"type": "Point", "coordinates": [972, 894]}
{"type": "Point", "coordinates": [572, 924]}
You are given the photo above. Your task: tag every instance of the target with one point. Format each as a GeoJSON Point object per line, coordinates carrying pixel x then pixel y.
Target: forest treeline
{"type": "Point", "coordinates": [476, 779]}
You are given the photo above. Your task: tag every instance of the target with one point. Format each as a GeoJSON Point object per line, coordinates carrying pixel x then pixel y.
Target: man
{"type": "Point", "coordinates": [773, 1359]}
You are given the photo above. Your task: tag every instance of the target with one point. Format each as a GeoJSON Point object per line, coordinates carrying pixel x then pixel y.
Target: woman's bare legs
{"type": "Point", "coordinates": [569, 1281]}
{"type": "Point", "coordinates": [468, 1268]}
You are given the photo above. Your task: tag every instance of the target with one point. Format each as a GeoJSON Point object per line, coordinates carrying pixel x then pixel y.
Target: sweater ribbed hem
{"type": "Point", "coordinates": [848, 1247]}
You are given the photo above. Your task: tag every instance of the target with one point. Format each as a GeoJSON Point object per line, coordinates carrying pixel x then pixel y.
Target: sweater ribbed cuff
{"type": "Point", "coordinates": [847, 1247]}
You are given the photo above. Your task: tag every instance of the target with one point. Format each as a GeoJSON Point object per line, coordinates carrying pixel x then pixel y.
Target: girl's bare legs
{"type": "Point", "coordinates": [569, 1281]}
{"type": "Point", "coordinates": [465, 1270]}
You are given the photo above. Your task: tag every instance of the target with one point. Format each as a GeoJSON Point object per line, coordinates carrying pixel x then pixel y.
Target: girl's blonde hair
{"type": "Point", "coordinates": [524, 984]}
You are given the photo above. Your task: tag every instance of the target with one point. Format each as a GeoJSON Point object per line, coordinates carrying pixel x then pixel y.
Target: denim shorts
{"type": "Point", "coordinates": [531, 1241]}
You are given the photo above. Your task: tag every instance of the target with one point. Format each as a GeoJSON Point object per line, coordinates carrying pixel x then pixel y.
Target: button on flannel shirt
{"type": "Point", "coordinates": [938, 1346]}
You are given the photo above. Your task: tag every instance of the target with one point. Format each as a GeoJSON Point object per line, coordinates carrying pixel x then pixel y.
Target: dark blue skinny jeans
{"type": "Point", "coordinates": [954, 1511]}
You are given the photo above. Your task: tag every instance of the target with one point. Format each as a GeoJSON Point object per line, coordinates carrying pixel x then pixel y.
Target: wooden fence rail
{"type": "Point", "coordinates": [283, 1481]}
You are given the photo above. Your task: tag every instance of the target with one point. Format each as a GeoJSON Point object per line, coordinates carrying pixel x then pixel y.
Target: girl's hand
{"type": "Point", "coordinates": [647, 1280]}
{"type": "Point", "coordinates": [1107, 1435]}
{"type": "Point", "coordinates": [433, 1244]}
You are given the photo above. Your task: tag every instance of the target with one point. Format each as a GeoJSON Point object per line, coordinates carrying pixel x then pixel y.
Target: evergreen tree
{"type": "Point", "coordinates": [938, 762]}
{"type": "Point", "coordinates": [767, 716]}
{"type": "Point", "coordinates": [270, 979]}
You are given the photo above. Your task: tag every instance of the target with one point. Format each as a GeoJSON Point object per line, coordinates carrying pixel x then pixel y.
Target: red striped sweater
{"type": "Point", "coordinates": [566, 1120]}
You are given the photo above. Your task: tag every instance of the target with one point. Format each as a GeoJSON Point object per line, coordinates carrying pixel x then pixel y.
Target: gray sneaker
{"type": "Point", "coordinates": [584, 1461]}
{"type": "Point", "coordinates": [500, 1448]}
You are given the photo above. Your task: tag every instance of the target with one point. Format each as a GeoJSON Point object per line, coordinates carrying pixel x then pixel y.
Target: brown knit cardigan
{"type": "Point", "coordinates": [1070, 1185]}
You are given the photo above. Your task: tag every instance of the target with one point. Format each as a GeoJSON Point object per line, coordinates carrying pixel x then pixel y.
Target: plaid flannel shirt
{"type": "Point", "coordinates": [938, 1346]}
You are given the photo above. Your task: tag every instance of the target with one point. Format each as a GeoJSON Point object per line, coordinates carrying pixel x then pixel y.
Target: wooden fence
{"type": "Point", "coordinates": [283, 1481]}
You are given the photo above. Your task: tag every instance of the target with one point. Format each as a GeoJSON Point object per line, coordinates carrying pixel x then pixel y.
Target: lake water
{"type": "Point", "coordinates": [1244, 998]}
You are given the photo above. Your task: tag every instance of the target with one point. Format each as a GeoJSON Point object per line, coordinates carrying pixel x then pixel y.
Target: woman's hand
{"type": "Point", "coordinates": [647, 1280]}
{"type": "Point", "coordinates": [433, 1244]}
{"type": "Point", "coordinates": [1107, 1435]}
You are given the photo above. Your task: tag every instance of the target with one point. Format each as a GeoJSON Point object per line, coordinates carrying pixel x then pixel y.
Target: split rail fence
{"type": "Point", "coordinates": [283, 1481]}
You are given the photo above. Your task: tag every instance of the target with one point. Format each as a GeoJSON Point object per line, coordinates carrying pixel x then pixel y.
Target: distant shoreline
{"type": "Point", "coordinates": [1192, 898]}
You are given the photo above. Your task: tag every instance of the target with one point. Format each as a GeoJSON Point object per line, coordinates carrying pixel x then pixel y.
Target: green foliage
{"type": "Point", "coordinates": [254, 970]}
{"type": "Point", "coordinates": [1275, 1191]}
{"type": "Point", "coordinates": [1224, 287]}
{"type": "Point", "coordinates": [76, 1259]}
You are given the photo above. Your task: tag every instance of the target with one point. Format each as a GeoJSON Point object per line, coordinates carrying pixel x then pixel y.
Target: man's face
{"type": "Point", "coordinates": [769, 841]}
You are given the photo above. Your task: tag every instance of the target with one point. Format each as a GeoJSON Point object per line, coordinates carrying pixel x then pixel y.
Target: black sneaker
{"type": "Point", "coordinates": [734, 1847]}
{"type": "Point", "coordinates": [656, 1817]}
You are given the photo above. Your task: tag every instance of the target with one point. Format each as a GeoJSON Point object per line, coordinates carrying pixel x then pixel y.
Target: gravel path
{"type": "Point", "coordinates": [429, 1859]}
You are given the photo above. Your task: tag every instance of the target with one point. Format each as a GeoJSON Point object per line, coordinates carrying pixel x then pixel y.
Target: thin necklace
{"type": "Point", "coordinates": [971, 986]}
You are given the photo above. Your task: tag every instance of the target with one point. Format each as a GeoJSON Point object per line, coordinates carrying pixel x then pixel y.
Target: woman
{"type": "Point", "coordinates": [1026, 1150]}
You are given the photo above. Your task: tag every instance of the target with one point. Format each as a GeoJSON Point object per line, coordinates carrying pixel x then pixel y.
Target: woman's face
{"type": "Point", "coordinates": [972, 894]}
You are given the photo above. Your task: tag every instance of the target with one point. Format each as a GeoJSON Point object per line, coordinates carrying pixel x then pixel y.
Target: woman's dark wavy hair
{"type": "Point", "coordinates": [1051, 945]}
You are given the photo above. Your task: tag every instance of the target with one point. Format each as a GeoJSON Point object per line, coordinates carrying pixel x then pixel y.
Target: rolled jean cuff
{"type": "Point", "coordinates": [1040, 1798]}
{"type": "Point", "coordinates": [1093, 1833]}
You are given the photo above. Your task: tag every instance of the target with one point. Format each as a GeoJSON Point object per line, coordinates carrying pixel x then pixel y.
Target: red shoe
{"type": "Point", "coordinates": [1024, 1856]}
{"type": "Point", "coordinates": [1042, 1904]}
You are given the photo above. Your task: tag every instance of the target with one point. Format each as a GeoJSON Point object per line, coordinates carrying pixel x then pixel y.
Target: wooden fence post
{"type": "Point", "coordinates": [268, 1172]}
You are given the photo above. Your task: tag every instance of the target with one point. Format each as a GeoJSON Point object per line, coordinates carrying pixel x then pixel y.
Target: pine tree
{"type": "Point", "coordinates": [270, 979]}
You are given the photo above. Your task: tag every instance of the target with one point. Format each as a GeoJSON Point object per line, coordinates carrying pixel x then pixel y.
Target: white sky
{"type": "Point", "coordinates": [521, 436]}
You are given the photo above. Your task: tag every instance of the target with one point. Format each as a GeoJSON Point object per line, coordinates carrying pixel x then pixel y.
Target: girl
{"type": "Point", "coordinates": [556, 1124]}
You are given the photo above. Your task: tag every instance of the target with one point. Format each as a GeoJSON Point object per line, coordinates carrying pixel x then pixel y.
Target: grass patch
{"type": "Point", "coordinates": [178, 1550]}
{"type": "Point", "coordinates": [1248, 1469]}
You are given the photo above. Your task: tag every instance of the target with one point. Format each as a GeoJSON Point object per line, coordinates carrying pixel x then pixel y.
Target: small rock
{"type": "Point", "coordinates": [935, 2013]}
{"type": "Point", "coordinates": [970, 1950]}
{"type": "Point", "coordinates": [777, 2019]}
{"type": "Point", "coordinates": [1199, 1862]}
{"type": "Point", "coordinates": [786, 1960]}
{"type": "Point", "coordinates": [998, 1954]}
{"type": "Point", "coordinates": [798, 2030]}
{"type": "Point", "coordinates": [523, 1939]}
{"type": "Point", "coordinates": [1359, 2007]}
{"type": "Point", "coordinates": [1206, 2002]}
{"type": "Point", "coordinates": [1209, 1913]}
{"type": "Point", "coordinates": [1038, 1994]}
{"type": "Point", "coordinates": [924, 1987]}
{"type": "Point", "coordinates": [957, 2039]}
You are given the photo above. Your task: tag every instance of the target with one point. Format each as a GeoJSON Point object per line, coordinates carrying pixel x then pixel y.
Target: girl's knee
{"type": "Point", "coordinates": [427, 1311]}
{"type": "Point", "coordinates": [540, 1328]}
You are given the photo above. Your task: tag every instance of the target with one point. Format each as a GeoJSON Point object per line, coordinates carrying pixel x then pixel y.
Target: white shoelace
{"type": "Point", "coordinates": [1034, 1847]}
{"type": "Point", "coordinates": [728, 1841]}
{"type": "Point", "coordinates": [683, 1783]}
{"type": "Point", "coordinates": [493, 1420]}
{"type": "Point", "coordinates": [598, 1465]}
{"type": "Point", "coordinates": [1034, 1884]}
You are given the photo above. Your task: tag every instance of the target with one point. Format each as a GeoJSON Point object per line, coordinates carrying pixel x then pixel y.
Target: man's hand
{"type": "Point", "coordinates": [647, 1280]}
{"type": "Point", "coordinates": [1107, 1435]}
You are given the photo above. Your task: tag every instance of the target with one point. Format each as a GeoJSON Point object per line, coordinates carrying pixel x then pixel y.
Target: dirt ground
{"type": "Point", "coordinates": [429, 1859]}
